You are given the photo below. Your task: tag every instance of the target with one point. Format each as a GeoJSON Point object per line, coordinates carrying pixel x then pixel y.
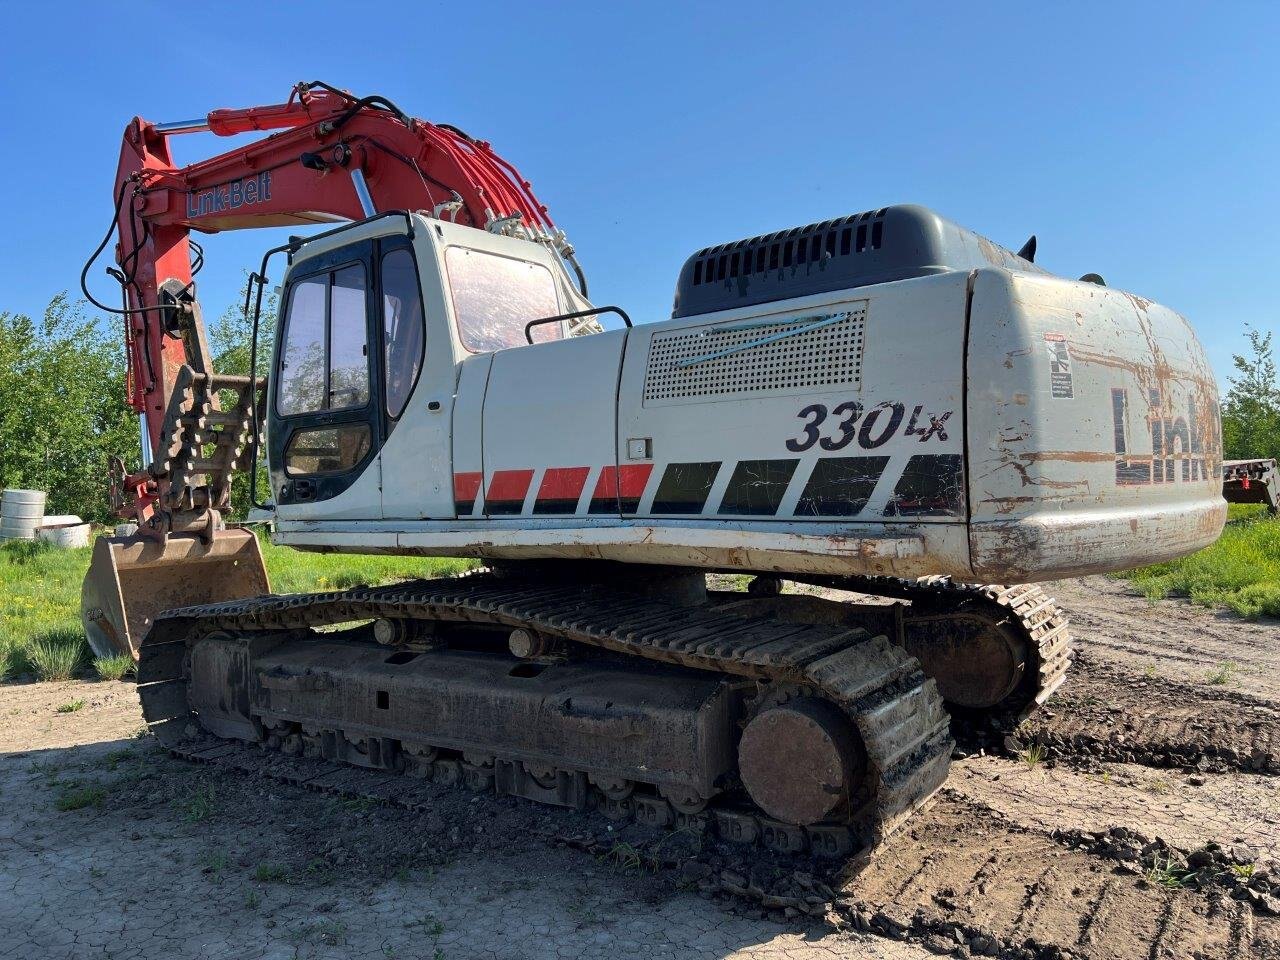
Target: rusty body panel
{"type": "Point", "coordinates": [993, 423]}
{"type": "Point", "coordinates": [1094, 434]}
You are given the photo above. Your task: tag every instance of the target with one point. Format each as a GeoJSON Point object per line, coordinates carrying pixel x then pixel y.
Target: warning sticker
{"type": "Point", "coordinates": [1059, 366]}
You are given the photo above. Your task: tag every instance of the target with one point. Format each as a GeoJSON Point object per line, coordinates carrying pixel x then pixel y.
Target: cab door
{"type": "Point", "coordinates": [325, 425]}
{"type": "Point", "coordinates": [418, 378]}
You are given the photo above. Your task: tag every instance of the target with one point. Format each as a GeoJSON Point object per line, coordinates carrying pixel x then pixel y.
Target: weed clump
{"type": "Point", "coordinates": [116, 667]}
{"type": "Point", "coordinates": [1032, 756]}
{"type": "Point", "coordinates": [77, 798]}
{"type": "Point", "coordinates": [1222, 674]}
{"type": "Point", "coordinates": [57, 654]}
{"type": "Point", "coordinates": [269, 873]}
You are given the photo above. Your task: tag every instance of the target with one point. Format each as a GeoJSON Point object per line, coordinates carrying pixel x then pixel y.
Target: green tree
{"type": "Point", "coordinates": [1251, 410]}
{"type": "Point", "coordinates": [62, 407]}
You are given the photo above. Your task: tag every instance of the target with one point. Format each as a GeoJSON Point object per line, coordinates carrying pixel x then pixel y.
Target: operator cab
{"type": "Point", "coordinates": [374, 318]}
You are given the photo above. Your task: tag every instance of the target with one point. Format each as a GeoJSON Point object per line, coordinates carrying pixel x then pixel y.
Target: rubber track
{"type": "Point", "coordinates": [1023, 607]}
{"type": "Point", "coordinates": [895, 707]}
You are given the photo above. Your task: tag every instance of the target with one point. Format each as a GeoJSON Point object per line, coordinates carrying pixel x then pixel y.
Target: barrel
{"type": "Point", "coordinates": [20, 514]}
{"type": "Point", "coordinates": [65, 536]}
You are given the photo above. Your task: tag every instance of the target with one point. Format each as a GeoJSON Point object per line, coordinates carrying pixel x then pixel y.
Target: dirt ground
{"type": "Point", "coordinates": [1156, 756]}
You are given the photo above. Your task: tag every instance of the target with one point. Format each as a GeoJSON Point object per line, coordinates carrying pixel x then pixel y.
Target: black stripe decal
{"type": "Point", "coordinates": [932, 485]}
{"type": "Point", "coordinates": [684, 487]}
{"type": "Point", "coordinates": [840, 486]}
{"type": "Point", "coordinates": [757, 487]}
{"type": "Point", "coordinates": [556, 506]}
{"type": "Point", "coordinates": [503, 508]}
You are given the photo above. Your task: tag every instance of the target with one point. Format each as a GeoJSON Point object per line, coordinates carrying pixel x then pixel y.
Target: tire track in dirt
{"type": "Point", "coordinates": [1172, 638]}
{"type": "Point", "coordinates": [1104, 713]}
{"type": "Point", "coordinates": [962, 876]}
{"type": "Point", "coordinates": [1186, 810]}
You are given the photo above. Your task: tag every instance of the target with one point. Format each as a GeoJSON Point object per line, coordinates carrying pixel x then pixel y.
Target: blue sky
{"type": "Point", "coordinates": [1138, 141]}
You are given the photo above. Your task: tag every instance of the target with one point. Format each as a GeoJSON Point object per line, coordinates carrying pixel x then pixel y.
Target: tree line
{"type": "Point", "coordinates": [63, 410]}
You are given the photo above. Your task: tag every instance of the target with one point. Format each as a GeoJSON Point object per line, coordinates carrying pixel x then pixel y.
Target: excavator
{"type": "Point", "coordinates": [741, 566]}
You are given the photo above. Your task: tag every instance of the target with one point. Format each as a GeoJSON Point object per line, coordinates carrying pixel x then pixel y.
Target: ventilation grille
{"type": "Point", "coordinates": [827, 355]}
{"type": "Point", "coordinates": [791, 248]}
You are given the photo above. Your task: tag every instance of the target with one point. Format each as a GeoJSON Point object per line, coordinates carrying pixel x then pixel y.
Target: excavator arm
{"type": "Point", "coordinates": [330, 157]}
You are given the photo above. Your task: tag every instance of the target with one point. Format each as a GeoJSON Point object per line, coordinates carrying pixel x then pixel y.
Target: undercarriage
{"type": "Point", "coordinates": [787, 719]}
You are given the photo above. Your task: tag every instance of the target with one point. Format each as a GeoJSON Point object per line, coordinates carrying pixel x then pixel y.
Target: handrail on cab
{"type": "Point", "coordinates": [528, 327]}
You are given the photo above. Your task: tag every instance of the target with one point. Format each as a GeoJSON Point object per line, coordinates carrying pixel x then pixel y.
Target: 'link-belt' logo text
{"type": "Point", "coordinates": [1177, 444]}
{"type": "Point", "coordinates": [230, 196]}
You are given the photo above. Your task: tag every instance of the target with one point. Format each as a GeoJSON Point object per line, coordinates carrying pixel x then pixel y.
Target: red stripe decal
{"type": "Point", "coordinates": [607, 485]}
{"type": "Point", "coordinates": [632, 478]}
{"type": "Point", "coordinates": [620, 488]}
{"type": "Point", "coordinates": [563, 483]}
{"type": "Point", "coordinates": [466, 486]}
{"type": "Point", "coordinates": [509, 485]}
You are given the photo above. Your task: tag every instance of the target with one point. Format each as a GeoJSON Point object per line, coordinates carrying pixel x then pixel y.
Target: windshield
{"type": "Point", "coordinates": [494, 297]}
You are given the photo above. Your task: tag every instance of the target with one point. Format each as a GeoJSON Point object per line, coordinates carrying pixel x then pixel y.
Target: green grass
{"type": "Point", "coordinates": [71, 707]}
{"type": "Point", "coordinates": [1240, 572]}
{"type": "Point", "coordinates": [269, 873]}
{"type": "Point", "coordinates": [77, 798]}
{"type": "Point", "coordinates": [56, 654]}
{"type": "Point", "coordinates": [113, 668]}
{"type": "Point", "coordinates": [1032, 756]}
{"type": "Point", "coordinates": [40, 599]}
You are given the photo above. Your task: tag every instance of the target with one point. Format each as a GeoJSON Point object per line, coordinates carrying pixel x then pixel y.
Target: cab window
{"type": "Point", "coordinates": [324, 362]}
{"type": "Point", "coordinates": [494, 297]}
{"type": "Point", "coordinates": [402, 327]}
{"type": "Point", "coordinates": [327, 449]}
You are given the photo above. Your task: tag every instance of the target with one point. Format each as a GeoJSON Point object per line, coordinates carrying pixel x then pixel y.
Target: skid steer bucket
{"type": "Point", "coordinates": [132, 579]}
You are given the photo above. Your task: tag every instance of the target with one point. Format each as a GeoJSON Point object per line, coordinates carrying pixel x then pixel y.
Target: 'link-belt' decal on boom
{"type": "Point", "coordinates": [230, 196]}
{"type": "Point", "coordinates": [873, 433]}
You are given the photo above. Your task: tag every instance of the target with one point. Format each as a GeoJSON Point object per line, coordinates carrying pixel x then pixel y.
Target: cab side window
{"type": "Point", "coordinates": [402, 327]}
{"type": "Point", "coordinates": [324, 363]}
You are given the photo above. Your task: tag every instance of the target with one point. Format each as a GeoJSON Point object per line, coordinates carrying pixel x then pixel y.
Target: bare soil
{"type": "Point", "coordinates": [1140, 819]}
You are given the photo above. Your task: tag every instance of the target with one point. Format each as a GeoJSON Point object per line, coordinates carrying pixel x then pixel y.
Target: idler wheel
{"type": "Point", "coordinates": [799, 760]}
{"type": "Point", "coordinates": [975, 666]}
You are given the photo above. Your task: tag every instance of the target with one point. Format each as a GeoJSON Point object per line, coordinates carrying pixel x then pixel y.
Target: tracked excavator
{"type": "Point", "coordinates": [885, 405]}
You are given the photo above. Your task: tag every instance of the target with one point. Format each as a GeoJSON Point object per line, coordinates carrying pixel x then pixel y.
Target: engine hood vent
{"type": "Point", "coordinates": [892, 243]}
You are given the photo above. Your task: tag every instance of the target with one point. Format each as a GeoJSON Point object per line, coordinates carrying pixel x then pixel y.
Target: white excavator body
{"type": "Point", "coordinates": [883, 394]}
